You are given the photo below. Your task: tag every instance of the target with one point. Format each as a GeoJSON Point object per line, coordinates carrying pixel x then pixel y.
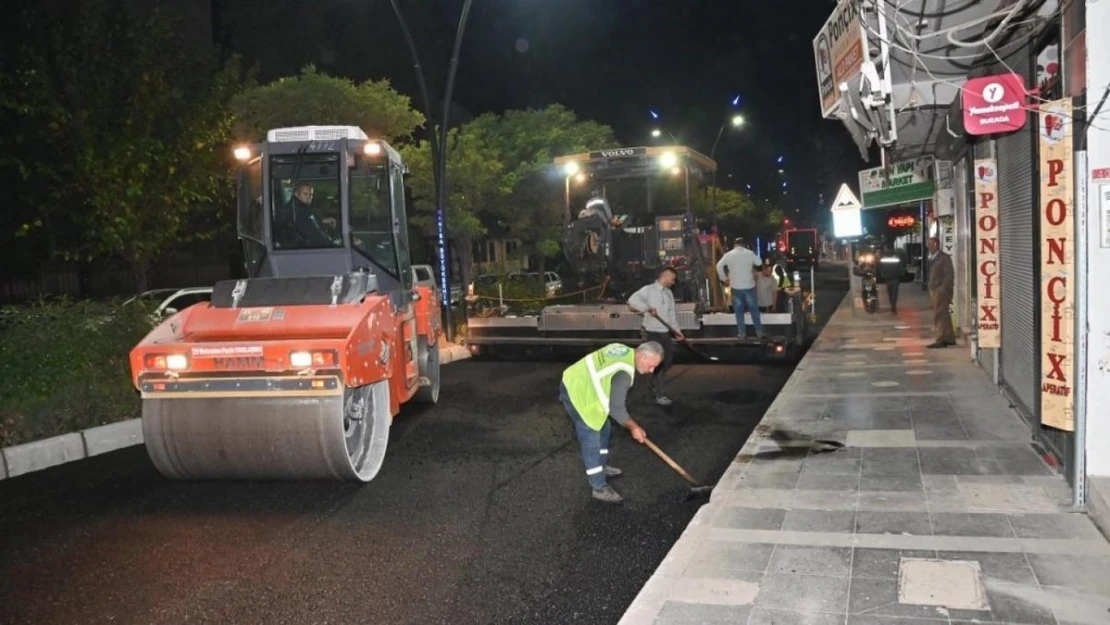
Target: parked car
{"type": "Point", "coordinates": [552, 283]}
{"type": "Point", "coordinates": [425, 275]}
{"type": "Point", "coordinates": [174, 300]}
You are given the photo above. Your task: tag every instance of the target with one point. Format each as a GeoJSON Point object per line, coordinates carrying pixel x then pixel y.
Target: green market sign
{"type": "Point", "coordinates": [902, 182]}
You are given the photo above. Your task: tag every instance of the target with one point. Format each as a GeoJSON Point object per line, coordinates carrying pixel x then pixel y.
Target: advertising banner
{"type": "Point", "coordinates": [1057, 264]}
{"type": "Point", "coordinates": [994, 104]}
{"type": "Point", "coordinates": [901, 182]}
{"type": "Point", "coordinates": [838, 53]}
{"type": "Point", "coordinates": [989, 287]}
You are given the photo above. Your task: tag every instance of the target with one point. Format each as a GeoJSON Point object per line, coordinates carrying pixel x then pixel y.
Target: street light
{"type": "Point", "coordinates": [439, 148]}
{"type": "Point", "coordinates": [736, 121]}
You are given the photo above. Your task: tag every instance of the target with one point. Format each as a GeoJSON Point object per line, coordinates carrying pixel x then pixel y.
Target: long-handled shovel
{"type": "Point", "coordinates": [683, 340]}
{"type": "Point", "coordinates": [698, 491]}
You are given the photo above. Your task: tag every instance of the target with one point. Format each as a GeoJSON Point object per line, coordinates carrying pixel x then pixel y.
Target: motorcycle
{"type": "Point", "coordinates": [870, 292]}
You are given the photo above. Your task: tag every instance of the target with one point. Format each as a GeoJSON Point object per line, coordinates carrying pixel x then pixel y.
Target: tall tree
{"type": "Point", "coordinates": [737, 214]}
{"type": "Point", "coordinates": [312, 98]}
{"type": "Point", "coordinates": [129, 127]}
{"type": "Point", "coordinates": [528, 141]}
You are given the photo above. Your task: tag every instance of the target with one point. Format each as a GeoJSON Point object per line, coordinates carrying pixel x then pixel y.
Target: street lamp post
{"type": "Point", "coordinates": [439, 150]}
{"type": "Point", "coordinates": [736, 121]}
{"type": "Point", "coordinates": [441, 195]}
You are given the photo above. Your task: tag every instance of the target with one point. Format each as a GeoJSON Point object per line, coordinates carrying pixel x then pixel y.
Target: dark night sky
{"type": "Point", "coordinates": [609, 60]}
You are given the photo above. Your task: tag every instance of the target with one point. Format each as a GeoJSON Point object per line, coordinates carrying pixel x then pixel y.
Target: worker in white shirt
{"type": "Point", "coordinates": [657, 299]}
{"type": "Point", "coordinates": [742, 265]}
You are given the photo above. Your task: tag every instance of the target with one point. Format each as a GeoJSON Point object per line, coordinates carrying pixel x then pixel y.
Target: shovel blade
{"type": "Point", "coordinates": [698, 493]}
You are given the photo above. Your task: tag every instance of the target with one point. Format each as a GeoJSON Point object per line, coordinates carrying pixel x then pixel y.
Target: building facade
{"type": "Point", "coordinates": [1016, 125]}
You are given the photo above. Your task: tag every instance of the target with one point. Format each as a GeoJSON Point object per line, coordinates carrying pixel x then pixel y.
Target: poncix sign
{"type": "Point", "coordinates": [994, 104]}
{"type": "Point", "coordinates": [1057, 265]}
{"type": "Point", "coordinates": [989, 286]}
{"type": "Point", "coordinates": [838, 53]}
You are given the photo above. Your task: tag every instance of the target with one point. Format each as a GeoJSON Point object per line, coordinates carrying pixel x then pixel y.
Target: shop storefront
{"type": "Point", "coordinates": [897, 203]}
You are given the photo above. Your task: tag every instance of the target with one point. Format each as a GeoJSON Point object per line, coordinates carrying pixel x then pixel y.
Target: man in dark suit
{"type": "Point", "coordinates": [942, 278]}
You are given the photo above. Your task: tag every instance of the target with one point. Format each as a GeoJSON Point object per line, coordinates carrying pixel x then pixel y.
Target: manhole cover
{"type": "Point", "coordinates": [952, 584]}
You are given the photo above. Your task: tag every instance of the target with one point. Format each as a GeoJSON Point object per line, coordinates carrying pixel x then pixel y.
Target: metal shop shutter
{"type": "Point", "coordinates": [1019, 257]}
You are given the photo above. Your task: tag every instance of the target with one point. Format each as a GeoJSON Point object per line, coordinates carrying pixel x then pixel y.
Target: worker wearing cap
{"type": "Point", "coordinates": [656, 301]}
{"type": "Point", "coordinates": [593, 390]}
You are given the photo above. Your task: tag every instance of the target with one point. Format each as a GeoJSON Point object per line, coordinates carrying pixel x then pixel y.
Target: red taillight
{"type": "Point", "coordinates": [324, 359]}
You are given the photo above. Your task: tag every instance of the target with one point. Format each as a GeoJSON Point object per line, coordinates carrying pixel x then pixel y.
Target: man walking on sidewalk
{"type": "Point", "coordinates": [594, 389]}
{"type": "Point", "coordinates": [942, 278]}
{"type": "Point", "coordinates": [742, 265]}
{"type": "Point", "coordinates": [657, 299]}
{"type": "Point", "coordinates": [891, 269]}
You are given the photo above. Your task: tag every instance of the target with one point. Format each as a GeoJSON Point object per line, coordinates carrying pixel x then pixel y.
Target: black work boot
{"type": "Point", "coordinates": [607, 494]}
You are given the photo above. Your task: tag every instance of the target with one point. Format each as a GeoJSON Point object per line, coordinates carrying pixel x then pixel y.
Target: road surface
{"type": "Point", "coordinates": [481, 514]}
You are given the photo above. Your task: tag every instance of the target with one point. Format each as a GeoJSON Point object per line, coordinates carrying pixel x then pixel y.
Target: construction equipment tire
{"type": "Point", "coordinates": [428, 361]}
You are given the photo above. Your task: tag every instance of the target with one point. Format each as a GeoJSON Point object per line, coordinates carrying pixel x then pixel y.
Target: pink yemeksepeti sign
{"type": "Point", "coordinates": [994, 104]}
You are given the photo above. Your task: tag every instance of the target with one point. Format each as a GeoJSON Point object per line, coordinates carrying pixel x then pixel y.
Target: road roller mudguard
{"type": "Point", "coordinates": [297, 371]}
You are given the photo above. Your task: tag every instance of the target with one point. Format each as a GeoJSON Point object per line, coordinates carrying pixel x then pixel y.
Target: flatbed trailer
{"type": "Point", "coordinates": [702, 305]}
{"type": "Point", "coordinates": [581, 327]}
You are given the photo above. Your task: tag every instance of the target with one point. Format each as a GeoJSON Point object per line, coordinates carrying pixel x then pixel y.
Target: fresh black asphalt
{"type": "Point", "coordinates": [481, 514]}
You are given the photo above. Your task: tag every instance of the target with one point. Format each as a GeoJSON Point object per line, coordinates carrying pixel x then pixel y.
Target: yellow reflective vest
{"type": "Point", "coordinates": [589, 381]}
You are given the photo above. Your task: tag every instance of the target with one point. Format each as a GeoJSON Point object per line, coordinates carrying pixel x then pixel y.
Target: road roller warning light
{"type": "Point", "coordinates": [251, 385]}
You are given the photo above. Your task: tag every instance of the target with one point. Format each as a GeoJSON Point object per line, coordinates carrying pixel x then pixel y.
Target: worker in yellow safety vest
{"type": "Point", "coordinates": [593, 390]}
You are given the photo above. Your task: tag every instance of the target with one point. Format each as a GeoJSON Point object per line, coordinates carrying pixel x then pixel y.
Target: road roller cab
{"type": "Point", "coordinates": [297, 371]}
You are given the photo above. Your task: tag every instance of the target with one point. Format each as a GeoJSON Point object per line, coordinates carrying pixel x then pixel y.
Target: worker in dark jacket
{"type": "Point", "coordinates": [891, 269]}
{"type": "Point", "coordinates": [942, 277]}
{"type": "Point", "coordinates": [593, 390]}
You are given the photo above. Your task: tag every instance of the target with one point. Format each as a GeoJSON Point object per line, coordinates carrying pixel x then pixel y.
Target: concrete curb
{"type": "Point", "coordinates": [647, 603]}
{"type": "Point", "coordinates": [65, 448]}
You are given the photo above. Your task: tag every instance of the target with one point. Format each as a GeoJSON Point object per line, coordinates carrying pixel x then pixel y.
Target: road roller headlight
{"type": "Point", "coordinates": [300, 360]}
{"type": "Point", "coordinates": [315, 359]}
{"type": "Point", "coordinates": [166, 362]}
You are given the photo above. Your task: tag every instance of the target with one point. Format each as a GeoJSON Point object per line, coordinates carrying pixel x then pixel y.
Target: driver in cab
{"type": "Point", "coordinates": [301, 228]}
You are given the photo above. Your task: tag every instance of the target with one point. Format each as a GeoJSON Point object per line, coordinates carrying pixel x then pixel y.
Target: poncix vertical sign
{"type": "Point", "coordinates": [1057, 264]}
{"type": "Point", "coordinates": [986, 229]}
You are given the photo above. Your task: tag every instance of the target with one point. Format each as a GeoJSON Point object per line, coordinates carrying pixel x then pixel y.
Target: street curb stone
{"type": "Point", "coordinates": [105, 438]}
{"type": "Point", "coordinates": [50, 452]}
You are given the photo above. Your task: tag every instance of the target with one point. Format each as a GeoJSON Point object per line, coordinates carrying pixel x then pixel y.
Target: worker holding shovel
{"type": "Point", "coordinates": [593, 390]}
{"type": "Point", "coordinates": [657, 300]}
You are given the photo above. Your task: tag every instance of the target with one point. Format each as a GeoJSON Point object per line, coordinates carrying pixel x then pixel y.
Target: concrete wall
{"type": "Point", "coordinates": [1098, 257]}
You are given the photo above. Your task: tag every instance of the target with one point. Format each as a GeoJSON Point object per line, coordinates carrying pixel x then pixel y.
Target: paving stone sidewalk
{"type": "Point", "coordinates": [937, 509]}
